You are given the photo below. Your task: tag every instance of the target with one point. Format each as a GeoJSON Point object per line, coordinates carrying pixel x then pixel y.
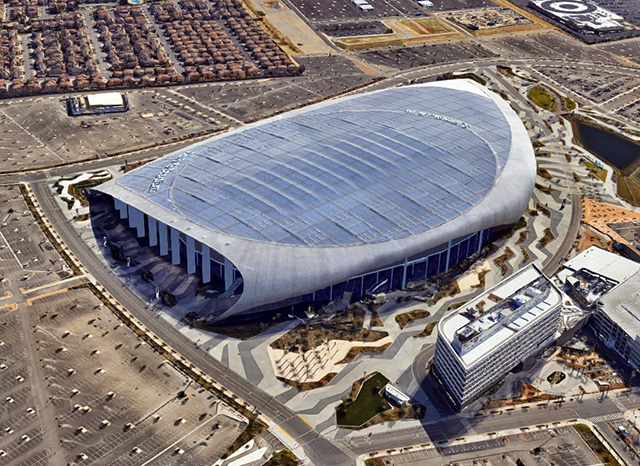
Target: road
{"type": "Point", "coordinates": [552, 266]}
{"type": "Point", "coordinates": [440, 430]}
{"type": "Point", "coordinates": [319, 450]}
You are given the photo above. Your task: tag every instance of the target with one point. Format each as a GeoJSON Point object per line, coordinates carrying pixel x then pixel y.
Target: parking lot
{"type": "Point", "coordinates": [115, 399]}
{"type": "Point", "coordinates": [27, 256]}
{"type": "Point", "coordinates": [335, 10]}
{"type": "Point", "coordinates": [550, 45]}
{"type": "Point", "coordinates": [628, 48]}
{"type": "Point", "coordinates": [21, 428]}
{"type": "Point", "coordinates": [428, 54]}
{"type": "Point", "coordinates": [590, 82]}
{"type": "Point", "coordinates": [76, 384]}
{"type": "Point", "coordinates": [249, 100]}
{"type": "Point", "coordinates": [561, 446]}
{"type": "Point", "coordinates": [38, 132]}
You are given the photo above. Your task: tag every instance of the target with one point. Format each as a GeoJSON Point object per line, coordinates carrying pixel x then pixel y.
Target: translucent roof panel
{"type": "Point", "coordinates": [373, 168]}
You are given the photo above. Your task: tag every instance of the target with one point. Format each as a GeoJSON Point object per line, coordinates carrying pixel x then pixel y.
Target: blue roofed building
{"type": "Point", "coordinates": [387, 186]}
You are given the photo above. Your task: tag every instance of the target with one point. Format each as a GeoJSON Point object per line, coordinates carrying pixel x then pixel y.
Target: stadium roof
{"type": "Point", "coordinates": [387, 174]}
{"type": "Point", "coordinates": [381, 167]}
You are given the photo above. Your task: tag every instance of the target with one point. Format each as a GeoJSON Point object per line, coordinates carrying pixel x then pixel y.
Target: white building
{"type": "Point", "coordinates": [480, 343]}
{"type": "Point", "coordinates": [105, 99]}
{"type": "Point", "coordinates": [580, 15]}
{"type": "Point", "coordinates": [609, 285]}
{"type": "Point", "coordinates": [396, 395]}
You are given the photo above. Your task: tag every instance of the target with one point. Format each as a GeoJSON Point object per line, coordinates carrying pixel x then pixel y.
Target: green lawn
{"type": "Point", "coordinates": [600, 173]}
{"type": "Point", "coordinates": [542, 98]}
{"type": "Point", "coordinates": [596, 445]}
{"type": "Point", "coordinates": [568, 103]}
{"type": "Point", "coordinates": [368, 403]}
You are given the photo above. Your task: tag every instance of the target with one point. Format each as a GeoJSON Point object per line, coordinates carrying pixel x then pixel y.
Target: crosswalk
{"type": "Point", "coordinates": [607, 417]}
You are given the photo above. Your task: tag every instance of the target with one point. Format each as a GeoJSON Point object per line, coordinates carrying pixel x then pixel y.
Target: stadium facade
{"type": "Point", "coordinates": [365, 191]}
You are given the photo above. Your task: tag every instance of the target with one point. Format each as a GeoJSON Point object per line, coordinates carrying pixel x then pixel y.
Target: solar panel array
{"type": "Point", "coordinates": [376, 168]}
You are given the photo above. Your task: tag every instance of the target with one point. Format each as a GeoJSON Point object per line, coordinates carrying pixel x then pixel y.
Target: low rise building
{"type": "Point", "coordinates": [507, 325]}
{"type": "Point", "coordinates": [395, 395]}
{"type": "Point", "coordinates": [91, 104]}
{"type": "Point", "coordinates": [609, 286]}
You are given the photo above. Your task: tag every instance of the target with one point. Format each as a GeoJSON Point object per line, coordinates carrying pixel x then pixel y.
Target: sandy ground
{"type": "Point", "coordinates": [600, 215]}
{"type": "Point", "coordinates": [316, 363]}
{"type": "Point", "coordinates": [292, 26]}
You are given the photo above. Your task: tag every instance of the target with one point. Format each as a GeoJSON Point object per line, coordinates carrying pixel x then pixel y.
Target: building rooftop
{"type": "Point", "coordinates": [622, 305]}
{"type": "Point", "coordinates": [105, 99]}
{"type": "Point", "coordinates": [360, 170]}
{"type": "Point", "coordinates": [601, 262]}
{"type": "Point", "coordinates": [495, 316]}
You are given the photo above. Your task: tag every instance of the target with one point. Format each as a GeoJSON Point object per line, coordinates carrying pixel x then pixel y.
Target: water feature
{"type": "Point", "coordinates": [613, 148]}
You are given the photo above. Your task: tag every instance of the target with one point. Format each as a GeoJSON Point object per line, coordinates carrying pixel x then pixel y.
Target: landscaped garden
{"type": "Point", "coordinates": [367, 404]}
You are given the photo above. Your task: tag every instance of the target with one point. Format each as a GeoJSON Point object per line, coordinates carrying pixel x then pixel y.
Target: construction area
{"type": "Point", "coordinates": [486, 19]}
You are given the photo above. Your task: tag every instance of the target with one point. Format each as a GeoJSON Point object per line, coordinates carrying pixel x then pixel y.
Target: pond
{"type": "Point", "coordinates": [616, 150]}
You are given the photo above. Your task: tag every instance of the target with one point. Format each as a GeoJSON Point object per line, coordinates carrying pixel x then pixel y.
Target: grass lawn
{"type": "Point", "coordinates": [542, 98]}
{"type": "Point", "coordinates": [283, 458]}
{"type": "Point", "coordinates": [547, 238]}
{"type": "Point", "coordinates": [568, 103]}
{"type": "Point", "coordinates": [544, 173]}
{"type": "Point", "coordinates": [427, 330]}
{"type": "Point", "coordinates": [600, 173]}
{"type": "Point", "coordinates": [629, 190]}
{"type": "Point", "coordinates": [368, 403]}
{"type": "Point", "coordinates": [406, 318]}
{"type": "Point", "coordinates": [356, 350]}
{"type": "Point", "coordinates": [425, 26]}
{"type": "Point", "coordinates": [303, 386]}
{"type": "Point", "coordinates": [501, 261]}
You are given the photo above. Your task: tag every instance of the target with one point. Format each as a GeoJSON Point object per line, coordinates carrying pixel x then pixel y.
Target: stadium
{"type": "Point", "coordinates": [358, 194]}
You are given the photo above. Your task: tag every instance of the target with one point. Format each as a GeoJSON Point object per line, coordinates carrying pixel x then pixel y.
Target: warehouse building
{"type": "Point", "coordinates": [97, 104]}
{"type": "Point", "coordinates": [367, 191]}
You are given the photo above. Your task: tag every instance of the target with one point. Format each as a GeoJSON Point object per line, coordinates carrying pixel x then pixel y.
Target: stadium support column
{"type": "Point", "coordinates": [479, 234]}
{"type": "Point", "coordinates": [121, 207]}
{"type": "Point", "coordinates": [153, 231]}
{"type": "Point", "coordinates": [206, 264]}
{"type": "Point", "coordinates": [163, 234]}
{"type": "Point", "coordinates": [136, 220]}
{"type": "Point", "coordinates": [175, 247]}
{"type": "Point", "coordinates": [448, 255]}
{"type": "Point", "coordinates": [404, 274]}
{"type": "Point", "coordinates": [191, 255]}
{"type": "Point", "coordinates": [228, 274]}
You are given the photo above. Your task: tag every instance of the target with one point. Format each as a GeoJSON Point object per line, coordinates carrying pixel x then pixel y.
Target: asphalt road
{"type": "Point", "coordinates": [319, 450]}
{"type": "Point", "coordinates": [438, 430]}
{"type": "Point", "coordinates": [553, 265]}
